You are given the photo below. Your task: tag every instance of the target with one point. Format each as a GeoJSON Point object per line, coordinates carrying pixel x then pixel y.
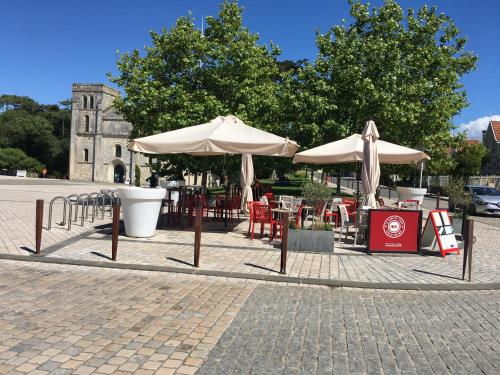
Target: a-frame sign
{"type": "Point", "coordinates": [438, 229]}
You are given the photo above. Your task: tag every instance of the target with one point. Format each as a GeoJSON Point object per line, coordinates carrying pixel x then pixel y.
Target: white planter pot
{"type": "Point", "coordinates": [141, 207]}
{"type": "Point", "coordinates": [405, 193]}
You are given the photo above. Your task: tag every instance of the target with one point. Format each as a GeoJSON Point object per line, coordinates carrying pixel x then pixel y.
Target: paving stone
{"type": "Point", "coordinates": [318, 321]}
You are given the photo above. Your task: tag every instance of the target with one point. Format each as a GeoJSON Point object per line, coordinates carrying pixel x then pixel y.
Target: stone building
{"type": "Point", "coordinates": [491, 140]}
{"type": "Point", "coordinates": [95, 125]}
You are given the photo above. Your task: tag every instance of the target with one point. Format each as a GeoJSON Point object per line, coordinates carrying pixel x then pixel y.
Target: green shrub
{"type": "Point", "coordinates": [458, 197]}
{"type": "Point", "coordinates": [315, 192]}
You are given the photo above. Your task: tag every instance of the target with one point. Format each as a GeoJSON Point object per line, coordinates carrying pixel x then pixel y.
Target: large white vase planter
{"type": "Point", "coordinates": [405, 193]}
{"type": "Point", "coordinates": [141, 207]}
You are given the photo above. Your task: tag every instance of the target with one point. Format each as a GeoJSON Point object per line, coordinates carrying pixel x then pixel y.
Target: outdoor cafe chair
{"type": "Point", "coordinates": [345, 221]}
{"type": "Point", "coordinates": [261, 213]}
{"type": "Point", "coordinates": [361, 226]}
{"type": "Point", "coordinates": [235, 205]}
{"type": "Point", "coordinates": [332, 212]}
{"type": "Point", "coordinates": [251, 206]}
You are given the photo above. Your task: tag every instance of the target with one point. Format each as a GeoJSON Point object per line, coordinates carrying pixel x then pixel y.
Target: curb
{"type": "Point", "coordinates": [334, 283]}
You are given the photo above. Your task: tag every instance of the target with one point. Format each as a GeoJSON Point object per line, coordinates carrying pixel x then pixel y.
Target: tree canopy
{"type": "Point", "coordinates": [401, 69]}
{"type": "Point", "coordinates": [186, 78]}
{"type": "Point", "coordinates": [40, 131]}
{"type": "Point", "coordinates": [469, 158]}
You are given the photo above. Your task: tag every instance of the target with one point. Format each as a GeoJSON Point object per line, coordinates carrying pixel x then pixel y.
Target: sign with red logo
{"type": "Point", "coordinates": [394, 230]}
{"type": "Point", "coordinates": [439, 229]}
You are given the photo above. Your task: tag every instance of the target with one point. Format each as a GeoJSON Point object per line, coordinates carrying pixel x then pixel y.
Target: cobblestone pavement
{"type": "Point", "coordinates": [17, 212]}
{"type": "Point", "coordinates": [233, 252]}
{"type": "Point", "coordinates": [317, 330]}
{"type": "Point", "coordinates": [60, 319]}
{"type": "Point", "coordinates": [226, 251]}
{"type": "Point", "coordinates": [57, 319]}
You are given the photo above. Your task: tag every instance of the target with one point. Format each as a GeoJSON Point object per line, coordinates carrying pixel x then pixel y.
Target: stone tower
{"type": "Point", "coordinates": [99, 137]}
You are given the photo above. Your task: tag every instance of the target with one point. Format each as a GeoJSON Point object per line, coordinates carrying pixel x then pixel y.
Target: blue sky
{"type": "Point", "coordinates": [47, 45]}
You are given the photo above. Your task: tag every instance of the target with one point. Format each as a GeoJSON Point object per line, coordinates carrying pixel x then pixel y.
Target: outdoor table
{"type": "Point", "coordinates": [394, 230]}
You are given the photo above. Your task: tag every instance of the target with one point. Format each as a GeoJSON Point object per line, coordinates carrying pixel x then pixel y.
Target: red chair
{"type": "Point", "coordinates": [235, 205]}
{"type": "Point", "coordinates": [262, 214]}
{"type": "Point", "coordinates": [351, 206]}
{"type": "Point", "coordinates": [329, 214]}
{"type": "Point", "coordinates": [251, 206]}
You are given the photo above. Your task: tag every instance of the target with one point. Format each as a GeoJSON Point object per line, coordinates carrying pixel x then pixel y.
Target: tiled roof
{"type": "Point", "coordinates": [495, 126]}
{"type": "Point", "coordinates": [472, 141]}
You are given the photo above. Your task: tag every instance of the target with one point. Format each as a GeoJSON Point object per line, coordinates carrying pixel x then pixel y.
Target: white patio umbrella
{"type": "Point", "coordinates": [246, 179]}
{"type": "Point", "coordinates": [222, 135]}
{"type": "Point", "coordinates": [370, 172]}
{"type": "Point", "coordinates": [350, 149]}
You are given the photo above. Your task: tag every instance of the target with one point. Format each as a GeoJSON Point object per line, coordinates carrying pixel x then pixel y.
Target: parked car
{"type": "Point", "coordinates": [485, 200]}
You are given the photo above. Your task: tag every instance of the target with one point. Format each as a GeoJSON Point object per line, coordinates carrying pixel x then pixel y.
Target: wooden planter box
{"type": "Point", "coordinates": [311, 240]}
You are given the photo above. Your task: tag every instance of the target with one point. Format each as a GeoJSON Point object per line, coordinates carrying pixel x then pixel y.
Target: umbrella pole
{"type": "Point", "coordinates": [421, 172]}
{"type": "Point", "coordinates": [357, 186]}
{"type": "Point", "coordinates": [226, 182]}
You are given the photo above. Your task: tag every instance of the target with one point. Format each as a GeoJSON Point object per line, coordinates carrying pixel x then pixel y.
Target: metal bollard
{"type": "Point", "coordinates": [468, 245]}
{"type": "Point", "coordinates": [38, 225]}
{"type": "Point", "coordinates": [116, 231]}
{"type": "Point", "coordinates": [197, 232]}
{"type": "Point", "coordinates": [284, 243]}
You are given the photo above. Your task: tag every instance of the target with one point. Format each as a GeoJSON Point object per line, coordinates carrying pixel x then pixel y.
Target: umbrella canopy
{"type": "Point", "coordinates": [370, 173]}
{"type": "Point", "coordinates": [246, 179]}
{"type": "Point", "coordinates": [350, 149]}
{"type": "Point", "coordinates": [222, 135]}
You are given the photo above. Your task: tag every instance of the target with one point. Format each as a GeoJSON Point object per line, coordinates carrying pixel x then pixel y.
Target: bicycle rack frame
{"type": "Point", "coordinates": [66, 203]}
{"type": "Point", "coordinates": [111, 195]}
{"type": "Point", "coordinates": [98, 205]}
{"type": "Point", "coordinates": [77, 202]}
{"type": "Point", "coordinates": [87, 198]}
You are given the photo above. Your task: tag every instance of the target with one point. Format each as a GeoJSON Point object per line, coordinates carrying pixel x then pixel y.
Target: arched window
{"type": "Point", "coordinates": [87, 124]}
{"type": "Point", "coordinates": [91, 102]}
{"type": "Point", "coordinates": [85, 154]}
{"type": "Point", "coordinates": [118, 151]}
{"type": "Point", "coordinates": [84, 102]}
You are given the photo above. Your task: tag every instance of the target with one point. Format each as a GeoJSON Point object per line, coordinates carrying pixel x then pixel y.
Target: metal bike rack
{"type": "Point", "coordinates": [111, 195]}
{"type": "Point", "coordinates": [99, 203]}
{"type": "Point", "coordinates": [66, 204]}
{"type": "Point", "coordinates": [89, 200]}
{"type": "Point", "coordinates": [77, 202]}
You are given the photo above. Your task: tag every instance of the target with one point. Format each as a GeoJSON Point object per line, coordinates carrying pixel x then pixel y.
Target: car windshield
{"type": "Point", "coordinates": [485, 191]}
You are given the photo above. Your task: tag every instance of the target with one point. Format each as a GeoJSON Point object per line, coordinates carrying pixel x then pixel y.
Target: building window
{"type": "Point", "coordinates": [118, 151]}
{"type": "Point", "coordinates": [87, 124]}
{"type": "Point", "coordinates": [84, 102]}
{"type": "Point", "coordinates": [86, 155]}
{"type": "Point", "coordinates": [91, 102]}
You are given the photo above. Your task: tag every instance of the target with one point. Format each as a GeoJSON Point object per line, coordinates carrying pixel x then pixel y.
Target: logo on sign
{"type": "Point", "coordinates": [394, 226]}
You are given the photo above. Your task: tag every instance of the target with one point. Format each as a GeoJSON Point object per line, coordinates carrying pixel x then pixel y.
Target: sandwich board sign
{"type": "Point", "coordinates": [439, 230]}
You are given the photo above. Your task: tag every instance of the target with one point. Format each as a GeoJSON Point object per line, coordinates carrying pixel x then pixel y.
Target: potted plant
{"type": "Point", "coordinates": [141, 207]}
{"type": "Point", "coordinates": [318, 236]}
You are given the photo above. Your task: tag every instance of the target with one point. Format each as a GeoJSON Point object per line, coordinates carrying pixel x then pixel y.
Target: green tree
{"type": "Point", "coordinates": [469, 158]}
{"type": "Point", "coordinates": [14, 158]}
{"type": "Point", "coordinates": [401, 70]}
{"type": "Point", "coordinates": [186, 78]}
{"type": "Point", "coordinates": [41, 131]}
